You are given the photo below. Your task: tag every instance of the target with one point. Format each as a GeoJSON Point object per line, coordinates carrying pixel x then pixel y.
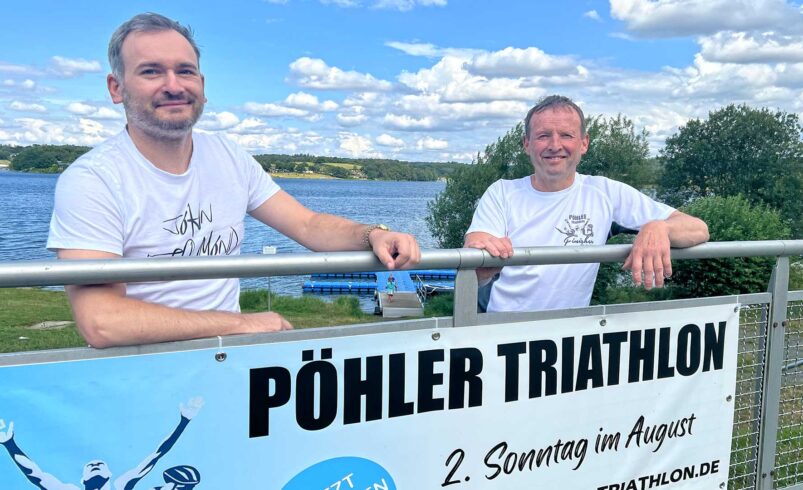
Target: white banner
{"type": "Point", "coordinates": [628, 401]}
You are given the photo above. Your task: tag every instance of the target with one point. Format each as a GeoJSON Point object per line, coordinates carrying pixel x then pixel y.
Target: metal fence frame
{"type": "Point", "coordinates": [768, 427]}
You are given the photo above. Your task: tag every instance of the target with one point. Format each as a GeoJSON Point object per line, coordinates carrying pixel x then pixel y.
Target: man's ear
{"type": "Point", "coordinates": [115, 88]}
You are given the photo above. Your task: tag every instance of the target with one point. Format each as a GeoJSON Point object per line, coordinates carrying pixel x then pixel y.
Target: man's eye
{"type": "Point", "coordinates": [148, 71]}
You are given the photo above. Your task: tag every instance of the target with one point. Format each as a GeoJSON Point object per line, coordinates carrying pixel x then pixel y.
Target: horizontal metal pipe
{"type": "Point", "coordinates": [63, 272]}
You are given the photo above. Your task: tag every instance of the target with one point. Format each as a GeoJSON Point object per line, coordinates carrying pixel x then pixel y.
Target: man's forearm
{"type": "Point", "coordinates": [106, 319]}
{"type": "Point", "coordinates": [685, 230]}
{"type": "Point", "coordinates": [327, 233]}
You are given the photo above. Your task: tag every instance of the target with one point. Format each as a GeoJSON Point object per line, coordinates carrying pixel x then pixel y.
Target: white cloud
{"type": "Point", "coordinates": [740, 47]}
{"type": "Point", "coordinates": [429, 143]}
{"type": "Point", "coordinates": [92, 111]}
{"type": "Point", "coordinates": [273, 110]}
{"type": "Point", "coordinates": [256, 142]}
{"type": "Point", "coordinates": [341, 3]}
{"type": "Point", "coordinates": [17, 69]}
{"type": "Point", "coordinates": [356, 145]}
{"type": "Point", "coordinates": [303, 100]}
{"type": "Point", "coordinates": [80, 108]}
{"type": "Point", "coordinates": [668, 18]}
{"type": "Point", "coordinates": [431, 105]}
{"type": "Point", "coordinates": [459, 157]}
{"type": "Point", "coordinates": [592, 14]}
{"type": "Point", "coordinates": [401, 5]}
{"type": "Point", "coordinates": [516, 62]}
{"type": "Point", "coordinates": [417, 49]}
{"type": "Point", "coordinates": [431, 51]}
{"type": "Point", "coordinates": [40, 131]}
{"type": "Point", "coordinates": [449, 79]}
{"type": "Point", "coordinates": [215, 121]}
{"type": "Point", "coordinates": [388, 140]}
{"type": "Point", "coordinates": [353, 119]}
{"type": "Point", "coordinates": [91, 128]}
{"type": "Point", "coordinates": [316, 74]}
{"type": "Point", "coordinates": [70, 67]}
{"type": "Point", "coordinates": [251, 125]}
{"type": "Point", "coordinates": [26, 84]}
{"type": "Point", "coordinates": [106, 113]}
{"type": "Point", "coordinates": [26, 107]}
{"type": "Point", "coordinates": [405, 5]}
{"type": "Point", "coordinates": [362, 99]}
{"type": "Point", "coordinates": [407, 123]}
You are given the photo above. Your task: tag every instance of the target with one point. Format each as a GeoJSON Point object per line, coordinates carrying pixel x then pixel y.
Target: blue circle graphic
{"type": "Point", "coordinates": [349, 472]}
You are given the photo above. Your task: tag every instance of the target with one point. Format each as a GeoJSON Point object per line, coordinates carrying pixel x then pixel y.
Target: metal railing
{"type": "Point", "coordinates": [767, 448]}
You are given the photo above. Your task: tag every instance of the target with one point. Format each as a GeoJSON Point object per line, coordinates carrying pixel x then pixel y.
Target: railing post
{"type": "Point", "coordinates": [771, 396]}
{"type": "Point", "coordinates": [465, 298]}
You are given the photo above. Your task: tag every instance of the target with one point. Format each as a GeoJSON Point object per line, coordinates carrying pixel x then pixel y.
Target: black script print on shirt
{"type": "Point", "coordinates": [190, 222]}
{"type": "Point", "coordinates": [577, 230]}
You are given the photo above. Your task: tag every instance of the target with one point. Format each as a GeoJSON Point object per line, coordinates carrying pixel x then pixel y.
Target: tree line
{"type": "Point", "coordinates": [55, 158]}
{"type": "Point", "coordinates": [45, 158]}
{"type": "Point", "coordinates": [740, 170]}
{"type": "Point", "coordinates": [367, 168]}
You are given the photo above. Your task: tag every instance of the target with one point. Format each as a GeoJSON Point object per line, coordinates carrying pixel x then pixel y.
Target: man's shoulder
{"type": "Point", "coordinates": [101, 157]}
{"type": "Point", "coordinates": [600, 183]}
{"type": "Point", "coordinates": [508, 186]}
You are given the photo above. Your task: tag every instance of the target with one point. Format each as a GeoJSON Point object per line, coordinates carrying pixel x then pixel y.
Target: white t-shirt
{"type": "Point", "coordinates": [114, 200]}
{"type": "Point", "coordinates": [579, 215]}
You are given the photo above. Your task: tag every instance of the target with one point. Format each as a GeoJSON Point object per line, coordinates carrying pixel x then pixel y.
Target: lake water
{"type": "Point", "coordinates": [26, 202]}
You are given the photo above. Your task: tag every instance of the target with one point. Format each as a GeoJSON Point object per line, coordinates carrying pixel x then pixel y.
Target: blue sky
{"type": "Point", "coordinates": [431, 80]}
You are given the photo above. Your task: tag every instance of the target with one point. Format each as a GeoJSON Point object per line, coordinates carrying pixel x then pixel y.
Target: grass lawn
{"type": "Point", "coordinates": [296, 175]}
{"type": "Point", "coordinates": [23, 308]}
{"type": "Point", "coordinates": [347, 166]}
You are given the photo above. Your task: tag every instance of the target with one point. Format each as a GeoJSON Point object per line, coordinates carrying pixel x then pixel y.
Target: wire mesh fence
{"type": "Point", "coordinates": [749, 388]}
{"type": "Point", "coordinates": [789, 449]}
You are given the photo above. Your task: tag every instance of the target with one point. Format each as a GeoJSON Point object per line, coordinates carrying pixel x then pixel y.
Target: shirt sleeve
{"type": "Point", "coordinates": [86, 214]}
{"type": "Point", "coordinates": [261, 186]}
{"type": "Point", "coordinates": [633, 209]}
{"type": "Point", "coordinates": [489, 217]}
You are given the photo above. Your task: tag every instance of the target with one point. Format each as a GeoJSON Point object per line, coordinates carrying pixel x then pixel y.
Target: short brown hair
{"type": "Point", "coordinates": [551, 102]}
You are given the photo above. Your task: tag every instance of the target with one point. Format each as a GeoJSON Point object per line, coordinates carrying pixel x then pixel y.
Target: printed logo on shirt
{"type": "Point", "coordinates": [197, 238]}
{"type": "Point", "coordinates": [577, 229]}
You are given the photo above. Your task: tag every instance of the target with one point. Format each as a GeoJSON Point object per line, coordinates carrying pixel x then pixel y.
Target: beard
{"type": "Point", "coordinates": [144, 117]}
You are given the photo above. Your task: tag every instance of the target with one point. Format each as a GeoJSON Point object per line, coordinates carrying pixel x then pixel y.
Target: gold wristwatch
{"type": "Point", "coordinates": [365, 241]}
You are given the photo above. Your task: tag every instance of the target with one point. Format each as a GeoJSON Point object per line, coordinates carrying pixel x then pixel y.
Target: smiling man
{"type": "Point", "coordinates": [556, 206]}
{"type": "Point", "coordinates": [158, 189]}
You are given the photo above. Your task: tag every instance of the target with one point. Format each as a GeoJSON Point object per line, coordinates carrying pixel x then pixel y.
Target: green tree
{"type": "Point", "coordinates": [616, 150]}
{"type": "Point", "coordinates": [7, 150]}
{"type": "Point", "coordinates": [450, 213]}
{"type": "Point", "coordinates": [46, 157]}
{"type": "Point", "coordinates": [738, 150]}
{"type": "Point", "coordinates": [730, 219]}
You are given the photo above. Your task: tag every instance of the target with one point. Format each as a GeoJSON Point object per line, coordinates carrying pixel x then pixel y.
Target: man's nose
{"type": "Point", "coordinates": [555, 143]}
{"type": "Point", "coordinates": [172, 83]}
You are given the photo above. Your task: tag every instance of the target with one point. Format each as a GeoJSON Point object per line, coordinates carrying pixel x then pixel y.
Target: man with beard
{"type": "Point", "coordinates": [96, 475]}
{"type": "Point", "coordinates": [158, 189]}
{"type": "Point", "coordinates": [557, 206]}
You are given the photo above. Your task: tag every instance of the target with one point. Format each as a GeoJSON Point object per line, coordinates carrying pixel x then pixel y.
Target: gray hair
{"type": "Point", "coordinates": [147, 22]}
{"type": "Point", "coordinates": [552, 102]}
